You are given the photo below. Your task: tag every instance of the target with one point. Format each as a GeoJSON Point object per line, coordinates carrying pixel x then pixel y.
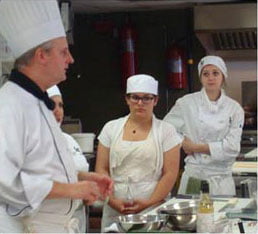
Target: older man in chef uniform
{"type": "Point", "coordinates": [39, 188]}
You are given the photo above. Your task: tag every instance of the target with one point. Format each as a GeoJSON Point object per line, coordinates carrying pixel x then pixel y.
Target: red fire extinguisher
{"type": "Point", "coordinates": [129, 64]}
{"type": "Point", "coordinates": [176, 58]}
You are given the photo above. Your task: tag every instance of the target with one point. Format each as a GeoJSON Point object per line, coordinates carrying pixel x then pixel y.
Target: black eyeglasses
{"type": "Point", "coordinates": [145, 99]}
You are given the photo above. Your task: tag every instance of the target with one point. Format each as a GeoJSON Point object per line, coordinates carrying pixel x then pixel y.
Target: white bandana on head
{"type": "Point", "coordinates": [54, 91]}
{"type": "Point", "coordinates": [213, 60]}
{"type": "Point", "coordinates": [142, 84]}
{"type": "Point", "coordinates": [25, 24]}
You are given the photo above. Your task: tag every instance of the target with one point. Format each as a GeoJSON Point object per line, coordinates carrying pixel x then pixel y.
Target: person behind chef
{"type": "Point", "coordinates": [139, 152]}
{"type": "Point", "coordinates": [211, 124]}
{"type": "Point", "coordinates": [38, 180]}
{"type": "Point", "coordinates": [80, 161]}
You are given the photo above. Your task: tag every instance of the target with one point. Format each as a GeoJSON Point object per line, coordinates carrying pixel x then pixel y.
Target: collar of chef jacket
{"type": "Point", "coordinates": [26, 83]}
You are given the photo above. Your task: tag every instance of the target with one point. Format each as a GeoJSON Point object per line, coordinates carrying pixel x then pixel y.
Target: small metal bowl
{"type": "Point", "coordinates": [182, 215]}
{"type": "Point", "coordinates": [141, 223]}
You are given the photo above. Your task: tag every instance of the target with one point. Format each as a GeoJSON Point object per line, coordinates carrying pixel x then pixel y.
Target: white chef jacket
{"type": "Point", "coordinates": [146, 175]}
{"type": "Point", "coordinates": [80, 160]}
{"type": "Point", "coordinates": [32, 156]}
{"type": "Point", "coordinates": [81, 164]}
{"type": "Point", "coordinates": [218, 124]}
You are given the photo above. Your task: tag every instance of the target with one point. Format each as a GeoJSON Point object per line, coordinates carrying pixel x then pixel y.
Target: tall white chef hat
{"type": "Point", "coordinates": [54, 91]}
{"type": "Point", "coordinates": [213, 60]}
{"type": "Point", "coordinates": [142, 84]}
{"type": "Point", "coordinates": [26, 24]}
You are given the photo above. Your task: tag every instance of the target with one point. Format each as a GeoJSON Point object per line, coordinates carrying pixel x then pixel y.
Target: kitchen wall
{"type": "Point", "coordinates": [239, 72]}
{"type": "Point", "coordinates": [93, 90]}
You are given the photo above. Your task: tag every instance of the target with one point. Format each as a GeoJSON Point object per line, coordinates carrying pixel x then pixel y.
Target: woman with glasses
{"type": "Point", "coordinates": [211, 124]}
{"type": "Point", "coordinates": [139, 152]}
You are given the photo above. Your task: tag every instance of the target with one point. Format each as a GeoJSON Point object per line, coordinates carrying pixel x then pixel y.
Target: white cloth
{"type": "Point", "coordinates": [142, 84]}
{"type": "Point", "coordinates": [26, 24]}
{"type": "Point", "coordinates": [141, 161]}
{"type": "Point", "coordinates": [54, 91]}
{"type": "Point", "coordinates": [32, 155]}
{"type": "Point", "coordinates": [218, 124]}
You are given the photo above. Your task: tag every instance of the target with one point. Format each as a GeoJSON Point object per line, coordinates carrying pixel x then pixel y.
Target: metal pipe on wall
{"type": "Point", "coordinates": [189, 48]}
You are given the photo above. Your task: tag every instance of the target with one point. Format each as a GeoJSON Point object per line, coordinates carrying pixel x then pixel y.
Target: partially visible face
{"type": "Point", "coordinates": [59, 59]}
{"type": "Point", "coordinates": [212, 78]}
{"type": "Point", "coordinates": [141, 104]}
{"type": "Point", "coordinates": [59, 108]}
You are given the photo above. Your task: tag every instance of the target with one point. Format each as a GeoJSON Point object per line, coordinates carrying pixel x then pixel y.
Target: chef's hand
{"type": "Point", "coordinates": [188, 146]}
{"type": "Point", "coordinates": [104, 183]}
{"type": "Point", "coordinates": [87, 191]}
{"type": "Point", "coordinates": [137, 206]}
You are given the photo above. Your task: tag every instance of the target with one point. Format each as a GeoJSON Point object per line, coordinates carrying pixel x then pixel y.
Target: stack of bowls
{"type": "Point", "coordinates": [182, 215]}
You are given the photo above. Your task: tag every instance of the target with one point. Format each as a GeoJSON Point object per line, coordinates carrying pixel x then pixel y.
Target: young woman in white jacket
{"type": "Point", "coordinates": [73, 147]}
{"type": "Point", "coordinates": [211, 125]}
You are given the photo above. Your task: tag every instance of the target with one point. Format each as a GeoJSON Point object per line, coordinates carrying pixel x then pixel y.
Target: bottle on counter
{"type": "Point", "coordinates": [129, 196]}
{"type": "Point", "coordinates": [205, 212]}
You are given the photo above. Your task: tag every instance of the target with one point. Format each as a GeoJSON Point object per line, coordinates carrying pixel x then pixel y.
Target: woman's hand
{"type": "Point", "coordinates": [117, 204]}
{"type": "Point", "coordinates": [137, 206]}
{"type": "Point", "coordinates": [188, 146]}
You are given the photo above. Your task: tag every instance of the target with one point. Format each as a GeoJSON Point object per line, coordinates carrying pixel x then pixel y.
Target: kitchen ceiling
{"type": "Point", "coordinates": [105, 6]}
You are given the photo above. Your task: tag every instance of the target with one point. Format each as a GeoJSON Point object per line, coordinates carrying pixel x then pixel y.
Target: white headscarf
{"type": "Point", "coordinates": [54, 91]}
{"type": "Point", "coordinates": [213, 60]}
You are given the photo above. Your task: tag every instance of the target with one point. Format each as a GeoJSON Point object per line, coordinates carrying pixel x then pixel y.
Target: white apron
{"type": "Point", "coordinates": [43, 222]}
{"type": "Point", "coordinates": [220, 183]}
{"type": "Point", "coordinates": [133, 169]}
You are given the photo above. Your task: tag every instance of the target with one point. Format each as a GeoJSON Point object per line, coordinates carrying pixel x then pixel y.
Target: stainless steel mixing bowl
{"type": "Point", "coordinates": [182, 215]}
{"type": "Point", "coordinates": [141, 223]}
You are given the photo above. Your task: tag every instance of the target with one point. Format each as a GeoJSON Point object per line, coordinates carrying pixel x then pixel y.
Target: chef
{"type": "Point", "coordinates": [39, 188]}
{"type": "Point", "coordinates": [211, 124]}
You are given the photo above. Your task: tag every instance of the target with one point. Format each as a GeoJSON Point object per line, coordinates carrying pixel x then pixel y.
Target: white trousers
{"type": "Point", "coordinates": [51, 223]}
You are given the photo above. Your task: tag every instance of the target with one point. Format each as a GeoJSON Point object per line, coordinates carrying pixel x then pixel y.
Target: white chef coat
{"type": "Point", "coordinates": [141, 161]}
{"type": "Point", "coordinates": [32, 156]}
{"type": "Point", "coordinates": [218, 124]}
{"type": "Point", "coordinates": [80, 160]}
{"type": "Point", "coordinates": [81, 164]}
{"type": "Point", "coordinates": [9, 224]}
